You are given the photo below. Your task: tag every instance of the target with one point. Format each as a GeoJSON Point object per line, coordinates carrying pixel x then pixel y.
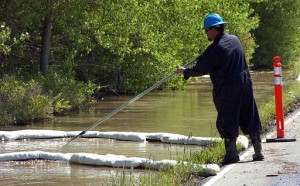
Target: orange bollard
{"type": "Point", "coordinates": [278, 97]}
{"type": "Point", "coordinates": [279, 103]}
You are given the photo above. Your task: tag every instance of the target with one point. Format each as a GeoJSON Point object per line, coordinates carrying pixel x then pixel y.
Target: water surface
{"type": "Point", "coordinates": [187, 112]}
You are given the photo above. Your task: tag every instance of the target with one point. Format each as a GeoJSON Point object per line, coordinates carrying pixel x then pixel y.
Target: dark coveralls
{"type": "Point", "coordinates": [225, 62]}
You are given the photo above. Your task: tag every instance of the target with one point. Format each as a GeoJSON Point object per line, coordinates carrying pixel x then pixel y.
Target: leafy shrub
{"type": "Point", "coordinates": [291, 94]}
{"type": "Point", "coordinates": [22, 101]}
{"type": "Point", "coordinates": [4, 38]}
{"type": "Point", "coordinates": [66, 92]}
{"type": "Point", "coordinates": [273, 38]}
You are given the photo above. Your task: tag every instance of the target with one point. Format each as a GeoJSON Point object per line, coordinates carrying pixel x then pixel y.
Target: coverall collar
{"type": "Point", "coordinates": [219, 36]}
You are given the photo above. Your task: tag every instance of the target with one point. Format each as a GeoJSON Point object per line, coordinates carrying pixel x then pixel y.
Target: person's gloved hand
{"type": "Point", "coordinates": [180, 70]}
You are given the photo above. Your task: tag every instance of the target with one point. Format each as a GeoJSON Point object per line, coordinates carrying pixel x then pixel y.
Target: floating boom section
{"type": "Point", "coordinates": [108, 160]}
{"type": "Point", "coordinates": [126, 136]}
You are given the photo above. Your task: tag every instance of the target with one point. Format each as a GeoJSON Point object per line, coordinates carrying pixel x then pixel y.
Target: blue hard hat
{"type": "Point", "coordinates": [213, 20]}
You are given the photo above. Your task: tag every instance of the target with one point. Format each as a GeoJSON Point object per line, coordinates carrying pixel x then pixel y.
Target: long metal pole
{"type": "Point", "coordinates": [127, 103]}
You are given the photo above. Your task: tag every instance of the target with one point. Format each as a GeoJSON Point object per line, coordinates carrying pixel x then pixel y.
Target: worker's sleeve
{"type": "Point", "coordinates": [204, 64]}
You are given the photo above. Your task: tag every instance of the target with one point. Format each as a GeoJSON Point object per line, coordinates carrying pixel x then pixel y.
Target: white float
{"type": "Point", "coordinates": [108, 160]}
{"type": "Point", "coordinates": [128, 136]}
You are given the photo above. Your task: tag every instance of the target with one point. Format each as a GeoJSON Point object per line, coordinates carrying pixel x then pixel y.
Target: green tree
{"type": "Point", "coordinates": [126, 44]}
{"type": "Point", "coordinates": [147, 39]}
{"type": "Point", "coordinates": [46, 37]}
{"type": "Point", "coordinates": [278, 33]}
{"type": "Point", "coordinates": [35, 18]}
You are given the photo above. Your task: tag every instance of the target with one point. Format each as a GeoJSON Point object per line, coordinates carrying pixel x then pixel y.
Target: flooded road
{"type": "Point", "coordinates": [187, 112]}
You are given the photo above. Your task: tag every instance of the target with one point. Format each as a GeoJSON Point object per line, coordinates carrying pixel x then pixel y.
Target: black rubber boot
{"type": "Point", "coordinates": [231, 155]}
{"type": "Point", "coordinates": [256, 141]}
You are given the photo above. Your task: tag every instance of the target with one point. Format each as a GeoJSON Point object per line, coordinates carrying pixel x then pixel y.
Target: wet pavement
{"type": "Point", "coordinates": [281, 166]}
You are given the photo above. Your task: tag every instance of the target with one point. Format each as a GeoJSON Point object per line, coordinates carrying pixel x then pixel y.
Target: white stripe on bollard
{"type": "Point", "coordinates": [277, 71]}
{"type": "Point", "coordinates": [278, 80]}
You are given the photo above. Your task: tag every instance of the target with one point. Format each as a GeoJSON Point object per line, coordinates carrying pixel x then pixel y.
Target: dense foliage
{"type": "Point", "coordinates": [278, 33]}
{"type": "Point", "coordinates": [22, 102]}
{"type": "Point", "coordinates": [127, 45]}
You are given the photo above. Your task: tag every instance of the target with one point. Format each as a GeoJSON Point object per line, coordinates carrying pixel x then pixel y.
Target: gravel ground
{"type": "Point", "coordinates": [281, 166]}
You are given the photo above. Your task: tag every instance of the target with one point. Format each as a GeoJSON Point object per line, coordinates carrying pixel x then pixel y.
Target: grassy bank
{"type": "Point", "coordinates": [40, 98]}
{"type": "Point", "coordinates": [291, 100]}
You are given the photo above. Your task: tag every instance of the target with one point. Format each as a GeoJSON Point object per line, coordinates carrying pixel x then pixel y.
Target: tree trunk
{"type": "Point", "coordinates": [120, 83]}
{"type": "Point", "coordinates": [46, 35]}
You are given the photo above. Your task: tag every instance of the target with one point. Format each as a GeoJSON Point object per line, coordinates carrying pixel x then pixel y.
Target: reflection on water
{"type": "Point", "coordinates": [186, 112]}
{"type": "Point", "coordinates": [38, 172]}
{"type": "Point", "coordinates": [152, 150]}
{"type": "Point", "coordinates": [189, 111]}
{"type": "Point", "coordinates": [52, 173]}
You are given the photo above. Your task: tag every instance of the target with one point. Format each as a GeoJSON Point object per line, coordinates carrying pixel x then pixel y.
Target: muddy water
{"type": "Point", "coordinates": [187, 112]}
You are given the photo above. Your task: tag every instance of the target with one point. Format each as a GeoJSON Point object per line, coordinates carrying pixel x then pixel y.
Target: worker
{"type": "Point", "coordinates": [225, 62]}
